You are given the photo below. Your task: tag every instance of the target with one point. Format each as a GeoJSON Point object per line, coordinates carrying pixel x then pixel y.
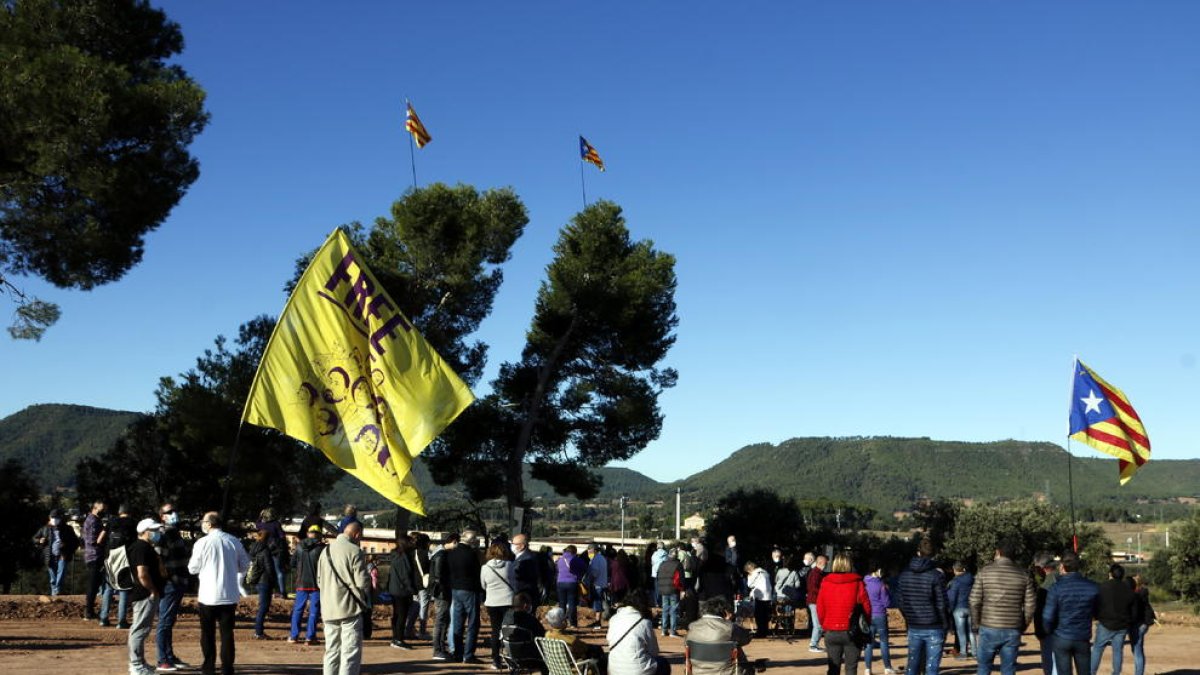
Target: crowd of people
{"type": "Point", "coordinates": [667, 588]}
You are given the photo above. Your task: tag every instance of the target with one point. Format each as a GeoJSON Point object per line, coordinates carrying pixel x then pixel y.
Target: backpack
{"type": "Point", "coordinates": [118, 570]}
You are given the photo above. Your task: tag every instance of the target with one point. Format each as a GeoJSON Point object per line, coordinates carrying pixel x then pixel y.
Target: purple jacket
{"type": "Point", "coordinates": [877, 592]}
{"type": "Point", "coordinates": [571, 568]}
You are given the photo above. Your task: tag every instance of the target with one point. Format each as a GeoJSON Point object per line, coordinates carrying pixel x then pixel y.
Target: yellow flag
{"type": "Point", "coordinates": [346, 372]}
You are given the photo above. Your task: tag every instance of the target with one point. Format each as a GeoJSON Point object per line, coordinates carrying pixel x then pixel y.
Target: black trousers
{"type": "Point", "coordinates": [495, 618]}
{"type": "Point", "coordinates": [95, 577]}
{"type": "Point", "coordinates": [400, 609]}
{"type": "Point", "coordinates": [841, 650]}
{"type": "Point", "coordinates": [210, 617]}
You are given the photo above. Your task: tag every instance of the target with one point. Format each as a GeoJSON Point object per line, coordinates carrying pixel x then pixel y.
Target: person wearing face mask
{"type": "Point", "coordinates": [147, 588]}
{"type": "Point", "coordinates": [175, 553]}
{"type": "Point", "coordinates": [58, 543]}
{"type": "Point", "coordinates": [217, 558]}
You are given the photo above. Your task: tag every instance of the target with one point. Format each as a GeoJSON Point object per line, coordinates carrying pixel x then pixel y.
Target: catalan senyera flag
{"type": "Point", "coordinates": [589, 154]}
{"type": "Point", "coordinates": [413, 125]}
{"type": "Point", "coordinates": [346, 372]}
{"type": "Point", "coordinates": [1103, 417]}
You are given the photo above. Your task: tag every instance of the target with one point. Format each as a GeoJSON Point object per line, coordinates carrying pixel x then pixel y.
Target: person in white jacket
{"type": "Point", "coordinates": [762, 592]}
{"type": "Point", "coordinates": [218, 558]}
{"type": "Point", "coordinates": [632, 646]}
{"type": "Point", "coordinates": [498, 578]}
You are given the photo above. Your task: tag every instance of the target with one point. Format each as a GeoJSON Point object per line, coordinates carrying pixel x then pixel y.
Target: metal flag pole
{"type": "Point", "coordinates": [412, 154]}
{"type": "Point", "coordinates": [1070, 482]}
{"type": "Point", "coordinates": [582, 182]}
{"type": "Point", "coordinates": [229, 474]}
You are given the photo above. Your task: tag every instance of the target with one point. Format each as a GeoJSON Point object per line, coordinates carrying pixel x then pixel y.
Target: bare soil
{"type": "Point", "coordinates": [43, 635]}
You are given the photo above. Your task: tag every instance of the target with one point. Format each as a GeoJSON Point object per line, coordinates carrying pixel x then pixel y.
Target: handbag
{"type": "Point", "coordinates": [860, 626]}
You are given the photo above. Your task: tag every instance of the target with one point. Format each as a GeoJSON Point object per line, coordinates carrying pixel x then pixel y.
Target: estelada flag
{"type": "Point", "coordinates": [588, 154]}
{"type": "Point", "coordinates": [1102, 417]}
{"type": "Point", "coordinates": [413, 125]}
{"type": "Point", "coordinates": [347, 373]}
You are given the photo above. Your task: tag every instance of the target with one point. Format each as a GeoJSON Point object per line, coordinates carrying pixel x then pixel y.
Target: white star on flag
{"type": "Point", "coordinates": [1093, 402]}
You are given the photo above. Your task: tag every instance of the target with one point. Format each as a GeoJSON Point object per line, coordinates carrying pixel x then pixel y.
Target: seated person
{"type": "Point", "coordinates": [556, 618]}
{"type": "Point", "coordinates": [632, 647]}
{"type": "Point", "coordinates": [714, 626]}
{"type": "Point", "coordinates": [519, 627]}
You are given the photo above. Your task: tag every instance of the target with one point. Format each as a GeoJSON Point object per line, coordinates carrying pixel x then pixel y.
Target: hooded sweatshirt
{"type": "Point", "coordinates": [497, 578]}
{"type": "Point", "coordinates": [877, 591]}
{"type": "Point", "coordinates": [305, 563]}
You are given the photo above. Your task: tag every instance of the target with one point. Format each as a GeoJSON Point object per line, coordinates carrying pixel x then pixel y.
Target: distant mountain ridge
{"type": "Point", "coordinates": [887, 474]}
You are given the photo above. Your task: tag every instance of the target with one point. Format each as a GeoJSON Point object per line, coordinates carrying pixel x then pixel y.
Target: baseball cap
{"type": "Point", "coordinates": [147, 524]}
{"type": "Point", "coordinates": [314, 528]}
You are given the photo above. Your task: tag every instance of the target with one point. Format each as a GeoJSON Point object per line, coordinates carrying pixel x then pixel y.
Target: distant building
{"type": "Point", "coordinates": [694, 522]}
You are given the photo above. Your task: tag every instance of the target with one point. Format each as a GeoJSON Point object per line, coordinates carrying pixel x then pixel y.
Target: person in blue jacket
{"type": "Point", "coordinates": [1071, 606]}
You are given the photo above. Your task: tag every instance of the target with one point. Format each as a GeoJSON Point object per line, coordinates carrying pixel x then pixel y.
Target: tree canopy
{"type": "Point", "coordinates": [22, 516]}
{"type": "Point", "coordinates": [96, 124]}
{"type": "Point", "coordinates": [585, 390]}
{"type": "Point", "coordinates": [182, 452]}
{"type": "Point", "coordinates": [1033, 527]}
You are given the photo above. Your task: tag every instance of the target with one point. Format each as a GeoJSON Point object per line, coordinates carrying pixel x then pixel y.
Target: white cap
{"type": "Point", "coordinates": [148, 524]}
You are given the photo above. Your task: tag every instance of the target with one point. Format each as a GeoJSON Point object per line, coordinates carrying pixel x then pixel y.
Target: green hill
{"type": "Point", "coordinates": [887, 474]}
{"type": "Point", "coordinates": [891, 473]}
{"type": "Point", "coordinates": [49, 439]}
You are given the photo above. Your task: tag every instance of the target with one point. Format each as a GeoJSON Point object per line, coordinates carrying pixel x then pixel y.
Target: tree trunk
{"type": "Point", "coordinates": [514, 488]}
{"type": "Point", "coordinates": [403, 518]}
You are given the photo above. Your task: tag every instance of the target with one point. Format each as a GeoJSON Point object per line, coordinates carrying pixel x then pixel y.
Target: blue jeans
{"type": "Point", "coordinates": [57, 569]}
{"type": "Point", "coordinates": [313, 600]}
{"type": "Point", "coordinates": [168, 607]}
{"type": "Point", "coordinates": [962, 627]}
{"type": "Point", "coordinates": [925, 646]}
{"type": "Point", "coordinates": [1067, 652]}
{"type": "Point", "coordinates": [264, 603]}
{"type": "Point", "coordinates": [816, 625]}
{"type": "Point", "coordinates": [1137, 642]}
{"type": "Point", "coordinates": [464, 605]}
{"type": "Point", "coordinates": [670, 612]}
{"type": "Point", "coordinates": [1047, 652]}
{"type": "Point", "coordinates": [1004, 641]}
{"type": "Point", "coordinates": [122, 604]}
{"type": "Point", "coordinates": [879, 635]}
{"type": "Point", "coordinates": [568, 599]}
{"type": "Point", "coordinates": [1104, 637]}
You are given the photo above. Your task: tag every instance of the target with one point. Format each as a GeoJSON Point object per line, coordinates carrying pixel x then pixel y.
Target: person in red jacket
{"type": "Point", "coordinates": [841, 590]}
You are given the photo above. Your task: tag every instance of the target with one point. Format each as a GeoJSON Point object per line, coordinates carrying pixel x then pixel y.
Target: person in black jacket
{"type": "Point", "coordinates": [462, 575]}
{"type": "Point", "coordinates": [58, 542]}
{"type": "Point", "coordinates": [926, 610]}
{"type": "Point", "coordinates": [402, 584]}
{"type": "Point", "coordinates": [308, 593]}
{"type": "Point", "coordinates": [420, 610]}
{"type": "Point", "coordinates": [1115, 616]}
{"type": "Point", "coordinates": [261, 576]}
{"type": "Point", "coordinates": [439, 591]}
{"type": "Point", "coordinates": [527, 567]}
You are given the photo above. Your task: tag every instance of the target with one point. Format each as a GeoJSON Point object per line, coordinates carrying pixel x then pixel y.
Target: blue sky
{"type": "Point", "coordinates": [890, 218]}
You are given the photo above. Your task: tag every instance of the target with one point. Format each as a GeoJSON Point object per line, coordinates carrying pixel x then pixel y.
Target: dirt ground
{"type": "Point", "coordinates": [38, 635]}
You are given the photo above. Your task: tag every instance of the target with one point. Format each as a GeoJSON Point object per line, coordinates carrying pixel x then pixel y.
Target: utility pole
{"type": "Point", "coordinates": [624, 501]}
{"type": "Point", "coordinates": [678, 523]}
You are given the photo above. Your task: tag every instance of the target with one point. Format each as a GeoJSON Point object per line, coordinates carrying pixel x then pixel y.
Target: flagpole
{"type": "Point", "coordinates": [229, 474]}
{"type": "Point", "coordinates": [1070, 482]}
{"type": "Point", "coordinates": [412, 154]}
{"type": "Point", "coordinates": [583, 183]}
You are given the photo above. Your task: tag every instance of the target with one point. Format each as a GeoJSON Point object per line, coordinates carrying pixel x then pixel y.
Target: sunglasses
{"type": "Point", "coordinates": [169, 512]}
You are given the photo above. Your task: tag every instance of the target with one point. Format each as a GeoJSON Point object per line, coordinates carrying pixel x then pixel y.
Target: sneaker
{"type": "Point", "coordinates": [167, 667]}
{"type": "Point", "coordinates": [105, 623]}
{"type": "Point", "coordinates": [400, 644]}
{"type": "Point", "coordinates": [180, 664]}
{"type": "Point", "coordinates": [440, 656]}
{"type": "Point", "coordinates": [312, 642]}
{"type": "Point", "coordinates": [259, 636]}
{"type": "Point", "coordinates": [888, 671]}
{"type": "Point", "coordinates": [471, 660]}
{"type": "Point", "coordinates": [816, 650]}
{"type": "Point", "coordinates": [674, 634]}
{"type": "Point", "coordinates": [141, 669]}
{"type": "Point", "coordinates": [496, 665]}
{"type": "Point", "coordinates": [292, 640]}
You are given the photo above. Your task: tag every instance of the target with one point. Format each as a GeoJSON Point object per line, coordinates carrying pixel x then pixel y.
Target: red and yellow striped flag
{"type": "Point", "coordinates": [413, 125]}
